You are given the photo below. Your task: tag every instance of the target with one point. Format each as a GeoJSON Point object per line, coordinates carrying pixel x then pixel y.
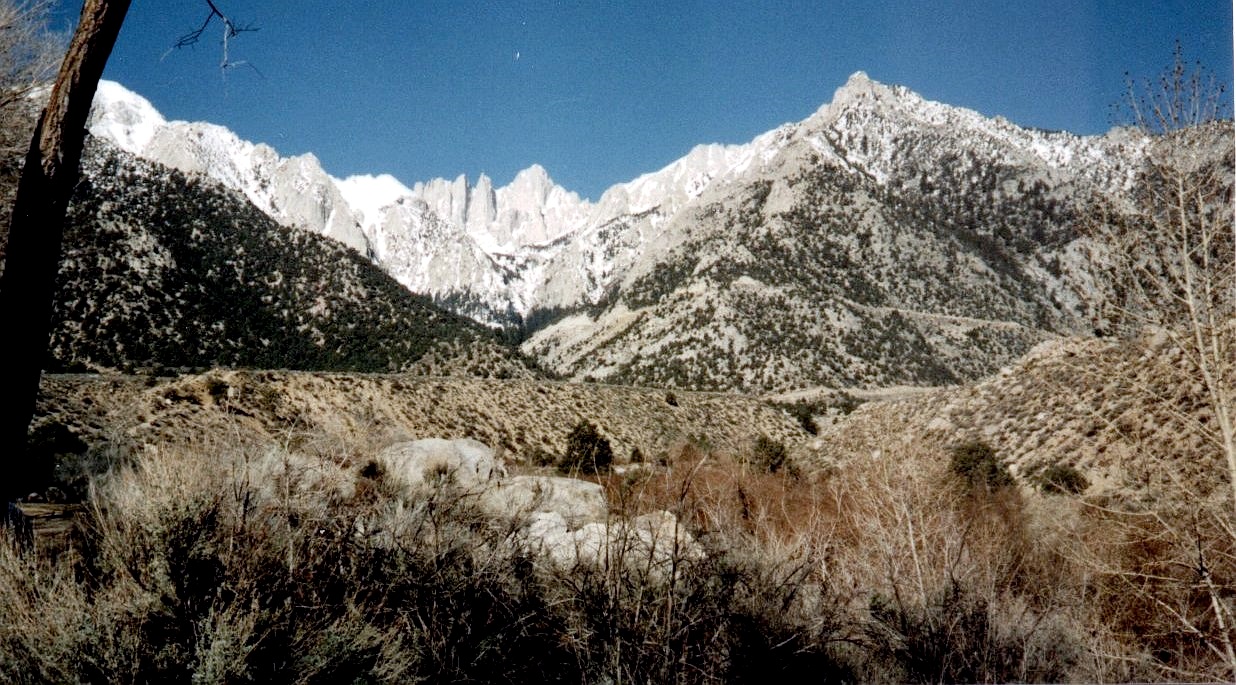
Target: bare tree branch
{"type": "Point", "coordinates": [230, 30]}
{"type": "Point", "coordinates": [29, 51]}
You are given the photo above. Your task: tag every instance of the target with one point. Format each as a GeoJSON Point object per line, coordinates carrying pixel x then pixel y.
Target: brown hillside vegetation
{"type": "Point", "coordinates": [519, 418]}
{"type": "Point", "coordinates": [1129, 415]}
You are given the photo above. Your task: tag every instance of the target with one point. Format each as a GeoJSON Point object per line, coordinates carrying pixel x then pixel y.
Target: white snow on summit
{"type": "Point", "coordinates": [294, 191]}
{"type": "Point", "coordinates": [513, 239]}
{"type": "Point", "coordinates": [124, 117]}
{"type": "Point", "coordinates": [687, 178]}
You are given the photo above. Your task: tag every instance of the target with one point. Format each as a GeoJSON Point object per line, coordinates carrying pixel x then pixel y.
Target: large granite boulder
{"type": "Point", "coordinates": [467, 464]}
{"type": "Point", "coordinates": [576, 501]}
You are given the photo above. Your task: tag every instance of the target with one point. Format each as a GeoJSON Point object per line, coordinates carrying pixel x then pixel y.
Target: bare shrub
{"type": "Point", "coordinates": [955, 588]}
{"type": "Point", "coordinates": [1167, 257]}
{"type": "Point", "coordinates": [736, 615]}
{"type": "Point", "coordinates": [956, 636]}
{"type": "Point", "coordinates": [1160, 575]}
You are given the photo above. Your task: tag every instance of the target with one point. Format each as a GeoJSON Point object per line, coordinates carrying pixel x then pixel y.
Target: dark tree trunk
{"type": "Point", "coordinates": [27, 287]}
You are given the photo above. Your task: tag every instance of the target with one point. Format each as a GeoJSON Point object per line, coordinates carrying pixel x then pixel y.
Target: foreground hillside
{"type": "Point", "coordinates": [236, 499]}
{"type": "Point", "coordinates": [521, 418]}
{"type": "Point", "coordinates": [1131, 416]}
{"type": "Point", "coordinates": [1127, 415]}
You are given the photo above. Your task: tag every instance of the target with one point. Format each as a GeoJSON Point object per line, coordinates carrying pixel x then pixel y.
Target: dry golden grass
{"type": "Point", "coordinates": [885, 568]}
{"type": "Point", "coordinates": [280, 566]}
{"type": "Point", "coordinates": [719, 491]}
{"type": "Point", "coordinates": [1088, 592]}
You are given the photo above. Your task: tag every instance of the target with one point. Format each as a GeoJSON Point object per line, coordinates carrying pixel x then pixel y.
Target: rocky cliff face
{"type": "Point", "coordinates": [884, 240]}
{"type": "Point", "coordinates": [294, 191]}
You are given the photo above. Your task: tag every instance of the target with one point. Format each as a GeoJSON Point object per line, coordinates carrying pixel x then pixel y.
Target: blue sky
{"type": "Point", "coordinates": [600, 92]}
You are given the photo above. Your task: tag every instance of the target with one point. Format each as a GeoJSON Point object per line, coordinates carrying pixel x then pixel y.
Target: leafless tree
{"type": "Point", "coordinates": [230, 30]}
{"type": "Point", "coordinates": [1168, 253]}
{"type": "Point", "coordinates": [30, 52]}
{"type": "Point", "coordinates": [1172, 249]}
{"type": "Point", "coordinates": [48, 177]}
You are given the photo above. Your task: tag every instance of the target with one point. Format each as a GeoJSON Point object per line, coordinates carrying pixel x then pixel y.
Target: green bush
{"type": "Point", "coordinates": [217, 389]}
{"type": "Point", "coordinates": [976, 463]}
{"type": "Point", "coordinates": [847, 403]}
{"type": "Point", "coordinates": [539, 456]}
{"type": "Point", "coordinates": [804, 413]}
{"type": "Point", "coordinates": [1062, 479]}
{"type": "Point", "coordinates": [587, 451]}
{"type": "Point", "coordinates": [770, 455]}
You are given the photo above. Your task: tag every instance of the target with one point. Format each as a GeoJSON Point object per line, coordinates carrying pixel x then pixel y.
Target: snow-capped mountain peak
{"type": "Point", "coordinates": [867, 124]}
{"type": "Point", "coordinates": [685, 179]}
{"type": "Point", "coordinates": [531, 220]}
{"type": "Point", "coordinates": [857, 87]}
{"type": "Point", "coordinates": [294, 191]}
{"type": "Point", "coordinates": [124, 117]}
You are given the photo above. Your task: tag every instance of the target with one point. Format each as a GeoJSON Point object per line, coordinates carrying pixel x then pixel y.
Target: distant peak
{"type": "Point", "coordinates": [858, 85]}
{"type": "Point", "coordinates": [860, 91]}
{"type": "Point", "coordinates": [384, 185]}
{"type": "Point", "coordinates": [124, 117]}
{"type": "Point", "coordinates": [858, 78]}
{"type": "Point", "coordinates": [534, 179]}
{"type": "Point", "coordinates": [111, 91]}
{"type": "Point", "coordinates": [536, 171]}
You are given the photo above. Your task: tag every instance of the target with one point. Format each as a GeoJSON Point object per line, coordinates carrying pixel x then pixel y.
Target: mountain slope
{"type": "Point", "coordinates": [884, 240]}
{"type": "Point", "coordinates": [162, 269]}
